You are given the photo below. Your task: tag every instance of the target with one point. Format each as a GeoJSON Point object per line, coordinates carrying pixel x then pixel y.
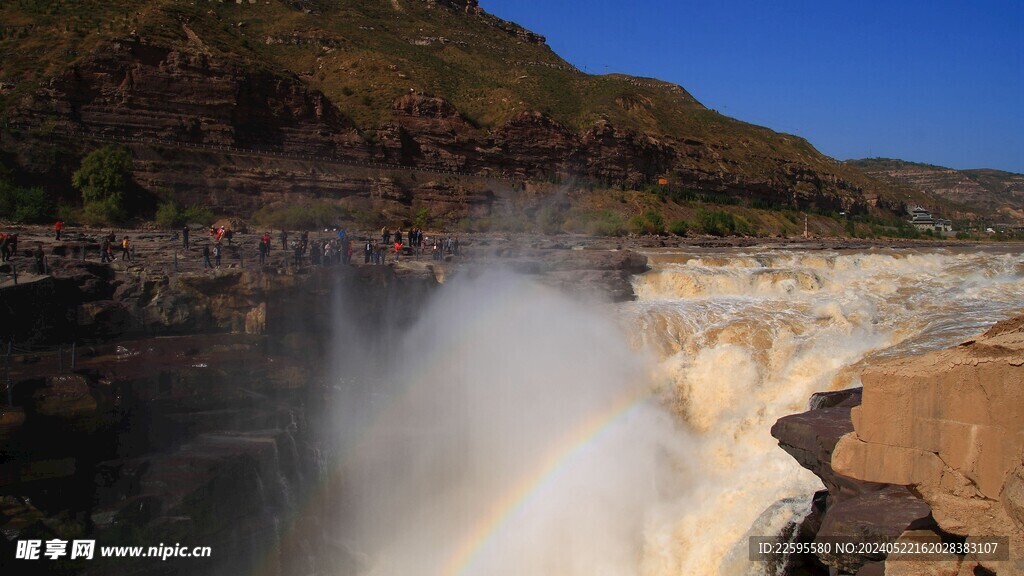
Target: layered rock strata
{"type": "Point", "coordinates": [181, 106]}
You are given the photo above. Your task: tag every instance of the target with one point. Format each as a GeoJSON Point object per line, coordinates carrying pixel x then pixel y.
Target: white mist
{"type": "Point", "coordinates": [514, 433]}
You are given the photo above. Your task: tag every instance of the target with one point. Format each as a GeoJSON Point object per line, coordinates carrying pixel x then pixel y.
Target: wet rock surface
{"type": "Point", "coordinates": [199, 440]}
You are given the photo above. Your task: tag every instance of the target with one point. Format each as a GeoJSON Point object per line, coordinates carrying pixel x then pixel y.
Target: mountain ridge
{"type": "Point", "coordinates": [434, 84]}
{"type": "Point", "coordinates": [979, 193]}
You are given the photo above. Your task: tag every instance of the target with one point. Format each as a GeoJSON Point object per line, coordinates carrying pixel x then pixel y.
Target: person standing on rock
{"type": "Point", "coordinates": [206, 256]}
{"type": "Point", "coordinates": [398, 251]}
{"type": "Point", "coordinates": [58, 227]}
{"type": "Point", "coordinates": [216, 254]}
{"type": "Point", "coordinates": [385, 235]}
{"type": "Point", "coordinates": [267, 242]}
{"type": "Point", "coordinates": [126, 249]}
{"type": "Point", "coordinates": [284, 239]}
{"type": "Point", "coordinates": [40, 259]}
{"type": "Point", "coordinates": [263, 252]}
{"type": "Point", "coordinates": [105, 250]}
{"type": "Point", "coordinates": [314, 253]}
{"type": "Point", "coordinates": [184, 237]}
{"type": "Point", "coordinates": [367, 250]}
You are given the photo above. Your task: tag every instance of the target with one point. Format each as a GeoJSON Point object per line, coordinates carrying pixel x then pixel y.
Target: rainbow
{"type": "Point", "coordinates": [517, 497]}
{"type": "Point", "coordinates": [551, 466]}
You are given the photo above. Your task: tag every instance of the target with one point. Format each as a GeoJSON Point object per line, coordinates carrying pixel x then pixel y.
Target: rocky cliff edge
{"type": "Point", "coordinates": [948, 425]}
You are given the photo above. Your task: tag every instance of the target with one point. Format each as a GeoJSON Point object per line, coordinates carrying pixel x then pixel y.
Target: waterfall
{"type": "Point", "coordinates": [511, 430]}
{"type": "Point", "coordinates": [745, 338]}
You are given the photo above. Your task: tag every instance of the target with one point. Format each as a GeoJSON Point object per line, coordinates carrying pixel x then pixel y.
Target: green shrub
{"type": "Point", "coordinates": [104, 174]}
{"type": "Point", "coordinates": [196, 214]}
{"type": "Point", "coordinates": [168, 215]}
{"type": "Point", "coordinates": [303, 216]}
{"type": "Point", "coordinates": [422, 218]}
{"type": "Point", "coordinates": [550, 220]}
{"type": "Point", "coordinates": [605, 223]}
{"type": "Point", "coordinates": [679, 227]}
{"type": "Point", "coordinates": [716, 223]}
{"type": "Point", "coordinates": [25, 205]}
{"type": "Point", "coordinates": [649, 222]}
{"type": "Point", "coordinates": [102, 212]}
{"type": "Point", "coordinates": [103, 181]}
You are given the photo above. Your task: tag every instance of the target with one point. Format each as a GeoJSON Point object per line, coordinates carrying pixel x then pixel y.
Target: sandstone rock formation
{"type": "Point", "coordinates": [949, 426]}
{"type": "Point", "coordinates": [849, 510]}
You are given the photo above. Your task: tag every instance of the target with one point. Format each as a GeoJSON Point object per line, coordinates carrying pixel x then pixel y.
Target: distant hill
{"type": "Point", "coordinates": [437, 85]}
{"type": "Point", "coordinates": [987, 194]}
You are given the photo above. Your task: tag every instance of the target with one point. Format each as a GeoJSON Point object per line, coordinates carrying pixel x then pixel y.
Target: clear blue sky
{"type": "Point", "coordinates": [940, 82]}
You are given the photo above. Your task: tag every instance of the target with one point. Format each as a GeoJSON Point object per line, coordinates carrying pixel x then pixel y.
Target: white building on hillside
{"type": "Point", "coordinates": [922, 220]}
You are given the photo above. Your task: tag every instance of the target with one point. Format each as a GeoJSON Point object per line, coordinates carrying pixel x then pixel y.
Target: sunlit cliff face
{"type": "Point", "coordinates": [513, 431]}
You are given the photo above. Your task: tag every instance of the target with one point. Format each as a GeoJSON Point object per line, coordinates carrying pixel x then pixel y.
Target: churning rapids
{"type": "Point", "coordinates": [512, 431]}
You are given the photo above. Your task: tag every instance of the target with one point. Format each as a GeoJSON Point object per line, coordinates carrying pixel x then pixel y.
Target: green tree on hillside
{"type": "Point", "coordinates": [103, 181]}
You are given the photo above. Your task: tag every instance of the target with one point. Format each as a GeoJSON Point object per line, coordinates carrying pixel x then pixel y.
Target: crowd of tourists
{"type": "Point", "coordinates": [337, 249]}
{"type": "Point", "coordinates": [340, 247]}
{"type": "Point", "coordinates": [109, 244]}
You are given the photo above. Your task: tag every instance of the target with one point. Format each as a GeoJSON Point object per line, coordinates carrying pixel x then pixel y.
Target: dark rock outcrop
{"type": "Point", "coordinates": [851, 510]}
{"type": "Point", "coordinates": [165, 291]}
{"type": "Point", "coordinates": [202, 441]}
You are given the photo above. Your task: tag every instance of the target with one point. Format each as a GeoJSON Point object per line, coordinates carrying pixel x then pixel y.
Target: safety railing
{"type": "Point", "coordinates": [63, 356]}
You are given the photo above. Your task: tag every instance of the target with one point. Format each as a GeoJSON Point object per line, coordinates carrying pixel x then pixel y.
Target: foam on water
{"type": "Point", "coordinates": [745, 338]}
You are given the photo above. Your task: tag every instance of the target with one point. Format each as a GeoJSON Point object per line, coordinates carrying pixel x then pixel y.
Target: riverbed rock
{"type": "Point", "coordinates": [873, 517]}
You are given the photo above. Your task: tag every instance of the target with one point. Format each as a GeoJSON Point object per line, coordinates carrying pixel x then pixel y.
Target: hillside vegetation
{"type": "Point", "coordinates": [363, 57]}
